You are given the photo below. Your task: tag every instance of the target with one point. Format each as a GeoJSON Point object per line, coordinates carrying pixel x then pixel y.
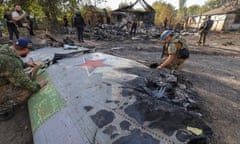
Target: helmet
{"type": "Point", "coordinates": [165, 34]}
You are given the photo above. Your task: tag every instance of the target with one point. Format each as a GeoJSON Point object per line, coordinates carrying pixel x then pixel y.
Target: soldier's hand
{"type": "Point", "coordinates": [159, 67]}
{"type": "Point", "coordinates": [42, 83]}
{"type": "Point", "coordinates": [31, 63]}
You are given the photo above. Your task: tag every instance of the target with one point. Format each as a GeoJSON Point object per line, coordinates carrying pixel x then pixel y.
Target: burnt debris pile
{"type": "Point", "coordinates": [109, 32]}
{"type": "Point", "coordinates": [166, 102]}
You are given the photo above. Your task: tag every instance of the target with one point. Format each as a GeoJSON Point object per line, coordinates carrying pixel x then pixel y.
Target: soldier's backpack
{"type": "Point", "coordinates": [184, 53]}
{"type": "Point", "coordinates": [78, 20]}
{"type": "Point", "coordinates": [208, 25]}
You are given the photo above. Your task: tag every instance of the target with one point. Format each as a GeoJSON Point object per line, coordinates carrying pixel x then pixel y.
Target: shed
{"type": "Point", "coordinates": [146, 15]}
{"type": "Point", "coordinates": [226, 18]}
{"type": "Point", "coordinates": [95, 15]}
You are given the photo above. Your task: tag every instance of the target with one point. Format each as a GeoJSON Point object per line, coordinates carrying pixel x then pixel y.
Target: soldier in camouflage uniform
{"type": "Point", "coordinates": [15, 85]}
{"type": "Point", "coordinates": [171, 56]}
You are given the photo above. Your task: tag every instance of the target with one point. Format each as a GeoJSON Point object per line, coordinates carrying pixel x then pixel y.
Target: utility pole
{"type": "Point", "coordinates": [182, 8]}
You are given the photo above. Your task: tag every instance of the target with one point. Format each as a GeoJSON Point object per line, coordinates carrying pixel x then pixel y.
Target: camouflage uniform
{"type": "Point", "coordinates": [171, 48]}
{"type": "Point", "coordinates": [15, 85]}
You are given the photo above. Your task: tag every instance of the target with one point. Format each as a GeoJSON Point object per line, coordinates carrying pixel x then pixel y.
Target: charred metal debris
{"type": "Point", "coordinates": [166, 102]}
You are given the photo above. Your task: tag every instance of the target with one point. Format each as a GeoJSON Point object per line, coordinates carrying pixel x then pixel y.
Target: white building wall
{"type": "Point", "coordinates": [221, 22]}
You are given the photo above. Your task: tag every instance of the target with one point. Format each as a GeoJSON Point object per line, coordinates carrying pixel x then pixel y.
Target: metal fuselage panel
{"type": "Point", "coordinates": [83, 103]}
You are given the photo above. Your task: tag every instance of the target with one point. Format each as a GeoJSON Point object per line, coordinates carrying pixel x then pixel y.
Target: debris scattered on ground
{"type": "Point", "coordinates": [167, 102]}
{"type": "Point", "coordinates": [228, 43]}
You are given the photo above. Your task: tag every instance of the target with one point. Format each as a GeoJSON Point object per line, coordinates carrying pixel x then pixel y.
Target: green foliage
{"type": "Point", "coordinates": [84, 10]}
{"type": "Point", "coordinates": [182, 4]}
{"type": "Point", "coordinates": [108, 9]}
{"type": "Point", "coordinates": [55, 10]}
{"type": "Point", "coordinates": [209, 5]}
{"type": "Point", "coordinates": [212, 4]}
{"type": "Point", "coordinates": [2, 10]}
{"type": "Point", "coordinates": [163, 10]}
{"type": "Point", "coordinates": [194, 10]}
{"type": "Point", "coordinates": [182, 9]}
{"type": "Point", "coordinates": [35, 10]}
{"type": "Point", "coordinates": [122, 4]}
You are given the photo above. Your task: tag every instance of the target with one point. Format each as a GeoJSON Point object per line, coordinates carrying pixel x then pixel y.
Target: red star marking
{"type": "Point", "coordinates": [91, 65]}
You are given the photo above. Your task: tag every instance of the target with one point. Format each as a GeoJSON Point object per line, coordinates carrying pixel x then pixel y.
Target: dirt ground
{"type": "Point", "coordinates": [214, 71]}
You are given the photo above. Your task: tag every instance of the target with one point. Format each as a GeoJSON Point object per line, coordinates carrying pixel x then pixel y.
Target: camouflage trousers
{"type": "Point", "coordinates": [12, 95]}
{"type": "Point", "coordinates": [175, 64]}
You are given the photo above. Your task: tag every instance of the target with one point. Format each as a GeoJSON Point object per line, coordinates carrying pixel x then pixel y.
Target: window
{"type": "Point", "coordinates": [237, 19]}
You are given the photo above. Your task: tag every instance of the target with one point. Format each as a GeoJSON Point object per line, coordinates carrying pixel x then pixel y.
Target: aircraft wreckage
{"type": "Point", "coordinates": [104, 99]}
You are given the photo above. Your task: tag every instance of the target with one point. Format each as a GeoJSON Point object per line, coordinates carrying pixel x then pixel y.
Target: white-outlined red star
{"type": "Point", "coordinates": [91, 65]}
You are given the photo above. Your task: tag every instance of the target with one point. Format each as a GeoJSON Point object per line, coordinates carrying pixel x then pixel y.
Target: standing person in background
{"type": "Point", "coordinates": [65, 24]}
{"type": "Point", "coordinates": [19, 16]}
{"type": "Point", "coordinates": [204, 29]}
{"type": "Point", "coordinates": [178, 28]}
{"type": "Point", "coordinates": [134, 26]}
{"type": "Point", "coordinates": [79, 24]}
{"type": "Point", "coordinates": [185, 25]}
{"type": "Point", "coordinates": [30, 21]}
{"type": "Point", "coordinates": [165, 23]}
{"type": "Point", "coordinates": [12, 28]}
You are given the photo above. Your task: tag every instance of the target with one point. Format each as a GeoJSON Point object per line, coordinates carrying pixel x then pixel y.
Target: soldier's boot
{"type": "Point", "coordinates": [198, 43]}
{"type": "Point", "coordinates": [6, 112]}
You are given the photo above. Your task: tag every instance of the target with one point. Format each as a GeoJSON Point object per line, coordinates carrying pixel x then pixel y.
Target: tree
{"type": "Point", "coordinates": [52, 10]}
{"type": "Point", "coordinates": [122, 4]}
{"type": "Point", "coordinates": [182, 9]}
{"type": "Point", "coordinates": [163, 10]}
{"type": "Point", "coordinates": [232, 3]}
{"type": "Point", "coordinates": [193, 10]}
{"type": "Point", "coordinates": [210, 4]}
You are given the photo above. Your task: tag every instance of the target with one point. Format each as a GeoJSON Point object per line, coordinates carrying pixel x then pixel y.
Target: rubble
{"type": "Point", "coordinates": [167, 102]}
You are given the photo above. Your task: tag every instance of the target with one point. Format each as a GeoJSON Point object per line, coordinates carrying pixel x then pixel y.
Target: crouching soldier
{"type": "Point", "coordinates": [15, 85]}
{"type": "Point", "coordinates": [175, 50]}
